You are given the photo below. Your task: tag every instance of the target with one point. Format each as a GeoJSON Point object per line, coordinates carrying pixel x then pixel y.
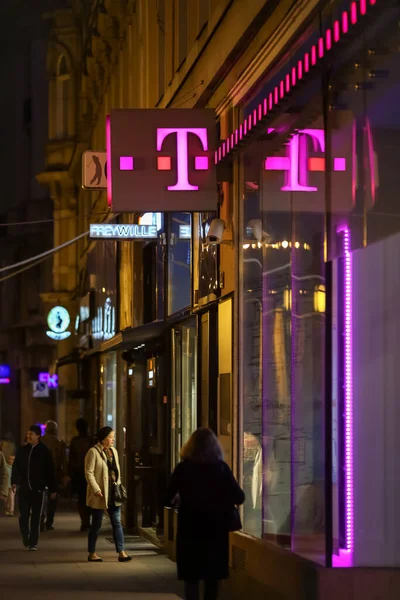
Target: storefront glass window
{"type": "Point", "coordinates": [110, 390]}
{"type": "Point", "coordinates": [320, 181]}
{"type": "Point", "coordinates": [184, 385]}
{"type": "Point", "coordinates": [179, 262]}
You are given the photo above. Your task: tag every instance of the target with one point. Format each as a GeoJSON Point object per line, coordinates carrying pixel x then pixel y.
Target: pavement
{"type": "Point", "coordinates": [59, 569]}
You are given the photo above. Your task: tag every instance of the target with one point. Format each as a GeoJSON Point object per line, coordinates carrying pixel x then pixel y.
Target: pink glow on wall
{"type": "Point", "coordinates": [108, 151]}
{"type": "Point", "coordinates": [255, 116]}
{"type": "Point", "coordinates": [164, 163]}
{"type": "Point", "coordinates": [182, 135]}
{"type": "Point", "coordinates": [348, 389]}
{"type": "Point", "coordinates": [353, 13]}
{"type": "Point", "coordinates": [321, 47]}
{"type": "Point", "coordinates": [245, 127]}
{"type": "Point", "coordinates": [276, 95]}
{"type": "Point", "coordinates": [4, 380]}
{"type": "Point", "coordinates": [126, 163]}
{"type": "Point", "coordinates": [294, 78]}
{"type": "Point", "coordinates": [354, 162]}
{"type": "Point", "coordinates": [372, 2]}
{"type": "Point", "coordinates": [345, 22]}
{"type": "Point", "coordinates": [282, 89]}
{"type": "Point", "coordinates": [336, 31]}
{"type": "Point", "coordinates": [363, 7]}
{"type": "Point", "coordinates": [313, 55]}
{"type": "Point", "coordinates": [371, 160]}
{"type": "Point", "coordinates": [306, 62]}
{"type": "Point", "coordinates": [240, 131]}
{"type": "Point", "coordinates": [287, 83]}
{"type": "Point", "coordinates": [328, 37]}
{"type": "Point", "coordinates": [300, 69]}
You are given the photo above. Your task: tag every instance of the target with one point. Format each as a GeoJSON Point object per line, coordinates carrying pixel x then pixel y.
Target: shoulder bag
{"type": "Point", "coordinates": [119, 490]}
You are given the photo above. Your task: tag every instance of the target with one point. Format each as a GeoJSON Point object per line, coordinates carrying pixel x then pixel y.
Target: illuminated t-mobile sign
{"type": "Point", "coordinates": [161, 160]}
{"type": "Point", "coordinates": [298, 164]}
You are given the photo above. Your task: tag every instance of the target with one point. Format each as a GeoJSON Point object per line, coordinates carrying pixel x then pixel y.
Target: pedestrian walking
{"type": "Point", "coordinates": [3, 478]}
{"type": "Point", "coordinates": [207, 494]}
{"type": "Point", "coordinates": [78, 448]}
{"type": "Point", "coordinates": [103, 475]}
{"type": "Point", "coordinates": [33, 473]}
{"type": "Point", "coordinates": [10, 502]}
{"type": "Point", "coordinates": [59, 452]}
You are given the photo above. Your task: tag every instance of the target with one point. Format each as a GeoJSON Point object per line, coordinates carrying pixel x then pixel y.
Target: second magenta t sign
{"type": "Point", "coordinates": [161, 160]}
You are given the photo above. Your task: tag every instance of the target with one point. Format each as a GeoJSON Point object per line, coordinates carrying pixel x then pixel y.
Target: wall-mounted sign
{"type": "Point", "coordinates": [94, 170]}
{"type": "Point", "coordinates": [162, 160]}
{"type": "Point", "coordinates": [58, 321]}
{"type": "Point", "coordinates": [103, 324]}
{"type": "Point", "coordinates": [123, 232]}
{"type": "Point", "coordinates": [50, 380]}
{"type": "Point", "coordinates": [151, 372]}
{"type": "Point", "coordinates": [40, 390]}
{"type": "Point", "coordinates": [5, 374]}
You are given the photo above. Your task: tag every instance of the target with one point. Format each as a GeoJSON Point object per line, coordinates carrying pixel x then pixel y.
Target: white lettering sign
{"type": "Point", "coordinates": [123, 232]}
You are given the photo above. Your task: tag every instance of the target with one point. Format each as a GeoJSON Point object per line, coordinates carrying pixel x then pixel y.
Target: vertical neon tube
{"type": "Point", "coordinates": [348, 389]}
{"type": "Point", "coordinates": [108, 151]}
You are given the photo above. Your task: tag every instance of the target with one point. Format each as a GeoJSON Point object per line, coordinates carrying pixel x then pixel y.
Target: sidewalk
{"type": "Point", "coordinates": [60, 569]}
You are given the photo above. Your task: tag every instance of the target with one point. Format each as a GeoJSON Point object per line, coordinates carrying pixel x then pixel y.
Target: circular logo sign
{"type": "Point", "coordinates": [58, 319]}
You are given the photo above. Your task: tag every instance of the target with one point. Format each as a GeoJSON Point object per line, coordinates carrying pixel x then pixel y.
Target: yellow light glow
{"type": "Point", "coordinates": [320, 299]}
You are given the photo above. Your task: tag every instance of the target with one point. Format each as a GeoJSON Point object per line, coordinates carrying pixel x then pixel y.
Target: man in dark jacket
{"type": "Point", "coordinates": [33, 472]}
{"type": "Point", "coordinates": [78, 448]}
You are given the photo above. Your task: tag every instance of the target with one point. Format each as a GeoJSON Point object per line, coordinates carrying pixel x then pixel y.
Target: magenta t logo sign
{"type": "Point", "coordinates": [183, 183]}
{"type": "Point", "coordinates": [162, 160]}
{"type": "Point", "coordinates": [298, 164]}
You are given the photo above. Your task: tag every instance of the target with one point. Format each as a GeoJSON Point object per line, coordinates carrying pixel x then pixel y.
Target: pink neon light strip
{"type": "Point", "coordinates": [277, 163]}
{"type": "Point", "coordinates": [340, 27]}
{"type": "Point", "coordinates": [348, 357]}
{"type": "Point", "coordinates": [108, 150]}
{"type": "Point", "coordinates": [4, 380]}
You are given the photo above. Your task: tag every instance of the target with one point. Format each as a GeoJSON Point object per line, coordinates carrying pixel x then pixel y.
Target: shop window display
{"type": "Point", "coordinates": [321, 181]}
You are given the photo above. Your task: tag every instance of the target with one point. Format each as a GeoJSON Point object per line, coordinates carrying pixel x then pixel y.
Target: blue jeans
{"type": "Point", "coordinates": [114, 512]}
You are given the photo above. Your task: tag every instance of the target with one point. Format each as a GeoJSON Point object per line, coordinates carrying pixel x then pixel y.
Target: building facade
{"type": "Point", "coordinates": [273, 337]}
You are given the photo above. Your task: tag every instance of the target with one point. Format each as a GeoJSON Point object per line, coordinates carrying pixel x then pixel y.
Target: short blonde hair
{"type": "Point", "coordinates": [203, 446]}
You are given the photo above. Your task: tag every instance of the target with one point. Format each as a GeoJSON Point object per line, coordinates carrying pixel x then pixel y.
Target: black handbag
{"type": "Point", "coordinates": [120, 493]}
{"type": "Point", "coordinates": [235, 522]}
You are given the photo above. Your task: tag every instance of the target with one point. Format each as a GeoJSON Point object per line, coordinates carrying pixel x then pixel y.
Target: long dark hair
{"type": "Point", "coordinates": [203, 446]}
{"type": "Point", "coordinates": [103, 433]}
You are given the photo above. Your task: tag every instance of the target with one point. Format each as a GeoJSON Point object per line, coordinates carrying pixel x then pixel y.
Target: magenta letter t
{"type": "Point", "coordinates": [182, 183]}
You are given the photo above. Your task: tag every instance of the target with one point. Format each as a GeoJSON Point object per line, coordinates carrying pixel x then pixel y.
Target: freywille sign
{"type": "Point", "coordinates": [161, 160]}
{"type": "Point", "coordinates": [123, 232]}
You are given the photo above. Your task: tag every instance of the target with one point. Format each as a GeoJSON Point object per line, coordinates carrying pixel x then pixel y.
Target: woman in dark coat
{"type": "Point", "coordinates": [207, 492]}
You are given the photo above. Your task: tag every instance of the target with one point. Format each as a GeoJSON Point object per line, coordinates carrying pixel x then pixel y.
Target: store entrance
{"type": "Point", "coordinates": [184, 386]}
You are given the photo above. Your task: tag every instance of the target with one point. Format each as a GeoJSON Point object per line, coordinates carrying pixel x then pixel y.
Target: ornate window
{"type": "Point", "coordinates": [63, 92]}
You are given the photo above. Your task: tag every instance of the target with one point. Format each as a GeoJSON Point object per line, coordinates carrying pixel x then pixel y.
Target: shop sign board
{"type": "Point", "coordinates": [40, 389]}
{"type": "Point", "coordinates": [111, 231]}
{"type": "Point", "coordinates": [161, 160]}
{"type": "Point", "coordinates": [50, 380]}
{"type": "Point", "coordinates": [94, 170]}
{"type": "Point", "coordinates": [5, 374]}
{"type": "Point", "coordinates": [58, 321]}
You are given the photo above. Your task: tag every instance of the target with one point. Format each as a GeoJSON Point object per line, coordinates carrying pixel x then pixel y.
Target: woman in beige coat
{"type": "Point", "coordinates": [103, 473]}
